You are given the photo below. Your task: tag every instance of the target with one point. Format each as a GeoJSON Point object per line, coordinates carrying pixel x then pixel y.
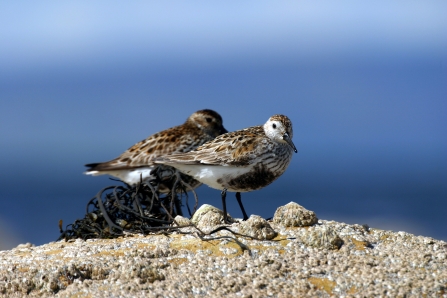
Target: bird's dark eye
{"type": "Point", "coordinates": [208, 120]}
{"type": "Point", "coordinates": [274, 125]}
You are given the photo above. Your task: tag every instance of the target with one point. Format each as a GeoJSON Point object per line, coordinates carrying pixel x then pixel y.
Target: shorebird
{"type": "Point", "coordinates": [239, 161]}
{"type": "Point", "coordinates": [137, 162]}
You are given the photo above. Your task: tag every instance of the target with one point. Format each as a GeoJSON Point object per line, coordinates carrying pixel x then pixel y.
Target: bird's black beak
{"type": "Point", "coordinates": [287, 138]}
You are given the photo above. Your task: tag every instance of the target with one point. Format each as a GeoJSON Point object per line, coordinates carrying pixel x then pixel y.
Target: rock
{"type": "Point", "coordinates": [181, 221]}
{"type": "Point", "coordinates": [208, 217]}
{"type": "Point", "coordinates": [257, 227]}
{"type": "Point", "coordinates": [323, 237]}
{"type": "Point", "coordinates": [25, 245]}
{"type": "Point", "coordinates": [294, 215]}
{"type": "Point", "coordinates": [298, 262]}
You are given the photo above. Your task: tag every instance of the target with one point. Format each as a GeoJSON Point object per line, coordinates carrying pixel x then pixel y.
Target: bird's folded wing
{"type": "Point", "coordinates": [230, 149]}
{"type": "Point", "coordinates": [143, 153]}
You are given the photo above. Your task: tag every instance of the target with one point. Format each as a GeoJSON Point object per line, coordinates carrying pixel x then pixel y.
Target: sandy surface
{"type": "Point", "coordinates": [325, 259]}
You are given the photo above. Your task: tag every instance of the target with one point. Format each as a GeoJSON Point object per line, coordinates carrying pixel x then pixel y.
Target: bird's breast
{"type": "Point", "coordinates": [257, 177]}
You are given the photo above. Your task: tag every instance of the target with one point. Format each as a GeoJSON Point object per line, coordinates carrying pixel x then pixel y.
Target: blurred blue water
{"type": "Point", "coordinates": [365, 88]}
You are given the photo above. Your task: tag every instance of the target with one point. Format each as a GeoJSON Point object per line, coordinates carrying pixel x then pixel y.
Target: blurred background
{"type": "Point", "coordinates": [365, 84]}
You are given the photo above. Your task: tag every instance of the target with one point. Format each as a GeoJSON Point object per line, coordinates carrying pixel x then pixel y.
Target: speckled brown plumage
{"type": "Point", "coordinates": [200, 127]}
{"type": "Point", "coordinates": [240, 161]}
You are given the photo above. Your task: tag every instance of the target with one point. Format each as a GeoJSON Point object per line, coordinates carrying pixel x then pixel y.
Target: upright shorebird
{"type": "Point", "coordinates": [239, 161]}
{"type": "Point", "coordinates": [137, 162]}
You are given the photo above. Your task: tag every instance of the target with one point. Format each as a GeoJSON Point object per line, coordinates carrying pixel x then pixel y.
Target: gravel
{"type": "Point", "coordinates": [324, 259]}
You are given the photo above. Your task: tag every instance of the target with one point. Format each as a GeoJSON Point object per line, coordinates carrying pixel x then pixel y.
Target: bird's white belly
{"type": "Point", "coordinates": [213, 176]}
{"type": "Point", "coordinates": [135, 176]}
{"type": "Point", "coordinates": [131, 177]}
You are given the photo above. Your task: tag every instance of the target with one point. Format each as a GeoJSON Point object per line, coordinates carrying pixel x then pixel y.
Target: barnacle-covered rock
{"type": "Point", "coordinates": [257, 227]}
{"type": "Point", "coordinates": [181, 221]}
{"type": "Point", "coordinates": [322, 237]}
{"type": "Point", "coordinates": [208, 217]}
{"type": "Point", "coordinates": [294, 215]}
{"type": "Point", "coordinates": [371, 262]}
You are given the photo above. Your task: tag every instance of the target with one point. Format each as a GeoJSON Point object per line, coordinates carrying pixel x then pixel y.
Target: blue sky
{"type": "Point", "coordinates": [364, 85]}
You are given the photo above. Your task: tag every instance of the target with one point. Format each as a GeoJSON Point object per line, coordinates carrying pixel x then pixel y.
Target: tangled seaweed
{"type": "Point", "coordinates": [117, 210]}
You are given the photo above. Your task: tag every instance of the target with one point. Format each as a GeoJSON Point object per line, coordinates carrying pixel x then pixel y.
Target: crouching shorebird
{"type": "Point", "coordinates": [240, 161]}
{"type": "Point", "coordinates": [137, 162]}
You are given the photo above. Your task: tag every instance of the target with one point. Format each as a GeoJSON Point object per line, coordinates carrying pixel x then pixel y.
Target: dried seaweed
{"type": "Point", "coordinates": [117, 210]}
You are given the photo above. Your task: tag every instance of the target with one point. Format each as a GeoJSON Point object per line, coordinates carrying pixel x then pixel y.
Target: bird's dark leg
{"type": "Point", "coordinates": [238, 198]}
{"type": "Point", "coordinates": [224, 204]}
